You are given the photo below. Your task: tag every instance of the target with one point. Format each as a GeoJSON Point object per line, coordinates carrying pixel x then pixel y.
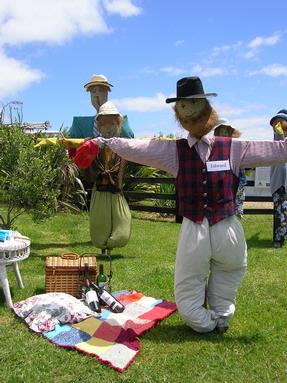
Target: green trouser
{"type": "Point", "coordinates": [110, 220]}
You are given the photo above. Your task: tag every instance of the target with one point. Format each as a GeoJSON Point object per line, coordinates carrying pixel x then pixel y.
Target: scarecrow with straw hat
{"type": "Point", "coordinates": [110, 218]}
{"type": "Point", "coordinates": [211, 243]}
{"type": "Point", "coordinates": [86, 126]}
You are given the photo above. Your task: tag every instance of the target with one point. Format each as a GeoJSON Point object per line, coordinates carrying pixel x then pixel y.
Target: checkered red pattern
{"type": "Point", "coordinates": [202, 193]}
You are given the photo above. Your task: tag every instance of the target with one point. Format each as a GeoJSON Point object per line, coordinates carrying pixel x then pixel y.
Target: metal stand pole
{"type": "Point", "coordinates": [109, 255]}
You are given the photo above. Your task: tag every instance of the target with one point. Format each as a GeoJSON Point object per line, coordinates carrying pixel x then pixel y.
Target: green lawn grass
{"type": "Point", "coordinates": [253, 350]}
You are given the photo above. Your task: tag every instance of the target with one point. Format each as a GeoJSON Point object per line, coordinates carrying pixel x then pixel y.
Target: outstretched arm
{"type": "Point", "coordinates": [251, 154]}
{"type": "Point", "coordinates": [160, 154]}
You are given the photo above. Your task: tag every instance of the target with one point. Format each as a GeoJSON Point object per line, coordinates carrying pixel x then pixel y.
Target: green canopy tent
{"type": "Point", "coordinates": [83, 126]}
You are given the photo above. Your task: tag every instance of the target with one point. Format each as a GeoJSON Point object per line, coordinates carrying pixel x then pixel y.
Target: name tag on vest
{"type": "Point", "coordinates": [216, 166]}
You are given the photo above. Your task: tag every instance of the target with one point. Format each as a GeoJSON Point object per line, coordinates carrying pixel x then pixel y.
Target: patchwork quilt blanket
{"type": "Point", "coordinates": [113, 338]}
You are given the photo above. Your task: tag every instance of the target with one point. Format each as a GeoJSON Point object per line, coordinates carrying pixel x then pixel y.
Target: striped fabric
{"type": "Point", "coordinates": [202, 193]}
{"type": "Point", "coordinates": [95, 131]}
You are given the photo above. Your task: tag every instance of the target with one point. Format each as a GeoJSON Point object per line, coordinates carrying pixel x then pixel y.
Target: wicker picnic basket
{"type": "Point", "coordinates": [66, 273]}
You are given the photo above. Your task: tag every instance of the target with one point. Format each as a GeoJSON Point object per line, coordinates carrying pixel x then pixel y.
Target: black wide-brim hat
{"type": "Point", "coordinates": [281, 114]}
{"type": "Point", "coordinates": [189, 87]}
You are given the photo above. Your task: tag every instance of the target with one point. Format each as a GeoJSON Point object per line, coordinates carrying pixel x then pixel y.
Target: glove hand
{"type": "Point", "coordinates": [71, 142]}
{"type": "Point", "coordinates": [278, 128]}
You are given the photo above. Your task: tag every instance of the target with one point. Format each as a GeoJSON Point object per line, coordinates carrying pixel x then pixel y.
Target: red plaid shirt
{"type": "Point", "coordinates": [202, 193]}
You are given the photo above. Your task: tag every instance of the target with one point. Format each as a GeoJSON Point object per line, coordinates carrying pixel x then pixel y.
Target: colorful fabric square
{"type": "Point", "coordinates": [57, 330]}
{"type": "Point", "coordinates": [113, 339]}
{"type": "Point", "coordinates": [69, 338]}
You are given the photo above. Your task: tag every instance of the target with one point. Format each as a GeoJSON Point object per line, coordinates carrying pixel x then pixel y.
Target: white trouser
{"type": "Point", "coordinates": [218, 252]}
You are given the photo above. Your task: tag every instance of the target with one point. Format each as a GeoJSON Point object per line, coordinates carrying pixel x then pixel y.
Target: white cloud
{"type": "Point", "coordinates": [226, 111]}
{"type": "Point", "coordinates": [250, 54]}
{"type": "Point", "coordinates": [178, 42]}
{"type": "Point", "coordinates": [142, 104]}
{"type": "Point", "coordinates": [53, 21]}
{"type": "Point", "coordinates": [174, 71]}
{"type": "Point", "coordinates": [124, 8]}
{"type": "Point", "coordinates": [202, 71]}
{"type": "Point", "coordinates": [273, 70]}
{"type": "Point", "coordinates": [260, 41]}
{"type": "Point", "coordinates": [15, 76]}
{"type": "Point", "coordinates": [49, 22]}
{"type": "Point", "coordinates": [254, 128]}
{"type": "Point", "coordinates": [226, 47]}
{"type": "Point", "coordinates": [199, 70]}
{"type": "Point", "coordinates": [253, 46]}
{"type": "Point", "coordinates": [148, 70]}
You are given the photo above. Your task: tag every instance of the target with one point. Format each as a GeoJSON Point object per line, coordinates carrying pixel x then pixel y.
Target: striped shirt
{"type": "Point", "coordinates": [162, 154]}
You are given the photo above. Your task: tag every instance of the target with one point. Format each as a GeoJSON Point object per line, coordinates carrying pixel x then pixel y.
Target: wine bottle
{"type": "Point", "coordinates": [92, 298]}
{"type": "Point", "coordinates": [85, 277]}
{"type": "Point", "coordinates": [102, 279]}
{"type": "Point", "coordinates": [108, 299]}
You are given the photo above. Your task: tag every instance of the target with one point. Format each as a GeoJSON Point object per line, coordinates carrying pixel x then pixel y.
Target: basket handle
{"type": "Point", "coordinates": [70, 256]}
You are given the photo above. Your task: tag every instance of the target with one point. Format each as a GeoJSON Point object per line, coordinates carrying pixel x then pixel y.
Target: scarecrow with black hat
{"type": "Point", "coordinates": [278, 182]}
{"type": "Point", "coordinates": [211, 243]}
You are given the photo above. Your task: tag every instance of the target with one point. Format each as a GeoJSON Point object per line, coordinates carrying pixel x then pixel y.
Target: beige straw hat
{"type": "Point", "coordinates": [108, 108]}
{"type": "Point", "coordinates": [98, 79]}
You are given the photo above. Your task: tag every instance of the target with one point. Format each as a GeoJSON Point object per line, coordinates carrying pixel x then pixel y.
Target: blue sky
{"type": "Point", "coordinates": [50, 48]}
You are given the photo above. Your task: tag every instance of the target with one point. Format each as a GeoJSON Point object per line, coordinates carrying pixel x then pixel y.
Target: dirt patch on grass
{"type": "Point", "coordinates": [153, 216]}
{"type": "Point", "coordinates": [258, 205]}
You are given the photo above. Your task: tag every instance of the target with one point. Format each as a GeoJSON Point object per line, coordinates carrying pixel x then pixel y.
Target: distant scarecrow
{"type": "Point", "coordinates": [110, 218]}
